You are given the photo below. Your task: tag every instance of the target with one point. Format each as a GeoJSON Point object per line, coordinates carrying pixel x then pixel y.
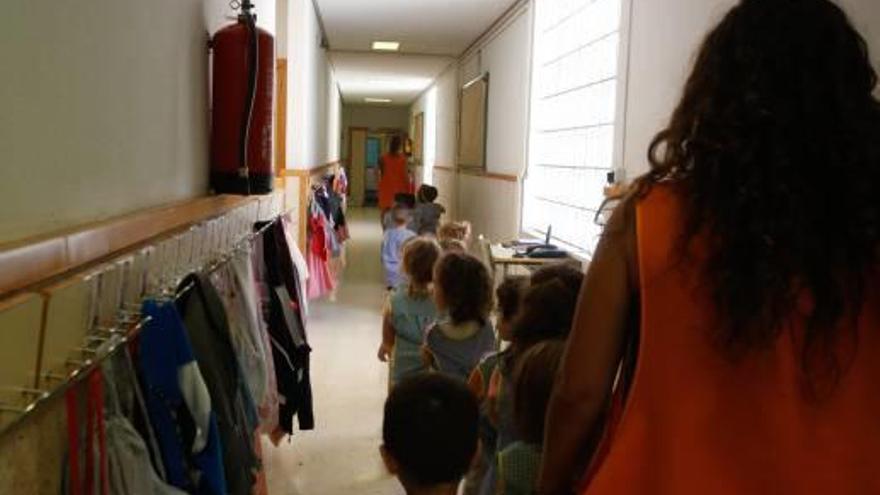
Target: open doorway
{"type": "Point", "coordinates": [371, 179]}
{"type": "Point", "coordinates": [366, 147]}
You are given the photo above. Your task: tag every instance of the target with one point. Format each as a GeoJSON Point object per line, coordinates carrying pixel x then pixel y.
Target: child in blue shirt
{"type": "Point", "coordinates": [409, 311]}
{"type": "Point", "coordinates": [392, 246]}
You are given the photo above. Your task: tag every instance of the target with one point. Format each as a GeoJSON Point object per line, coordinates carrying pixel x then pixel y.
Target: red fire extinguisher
{"type": "Point", "coordinates": [241, 119]}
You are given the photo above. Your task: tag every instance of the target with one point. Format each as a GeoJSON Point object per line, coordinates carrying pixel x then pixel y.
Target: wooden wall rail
{"type": "Point", "coordinates": [474, 172]}
{"type": "Point", "coordinates": [30, 262]}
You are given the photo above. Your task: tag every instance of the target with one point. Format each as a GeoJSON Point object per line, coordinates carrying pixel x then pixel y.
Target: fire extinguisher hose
{"type": "Point", "coordinates": [253, 70]}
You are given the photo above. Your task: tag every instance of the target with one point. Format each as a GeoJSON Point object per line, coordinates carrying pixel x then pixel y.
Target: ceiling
{"type": "Point", "coordinates": [431, 33]}
{"type": "Point", "coordinates": [400, 78]}
{"type": "Point", "coordinates": [435, 27]}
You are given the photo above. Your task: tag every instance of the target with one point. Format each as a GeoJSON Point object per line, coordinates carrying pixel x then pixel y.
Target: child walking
{"type": "Point", "coordinates": [545, 312]}
{"type": "Point", "coordinates": [409, 311]}
{"type": "Point", "coordinates": [427, 213]}
{"type": "Point", "coordinates": [392, 246]}
{"type": "Point", "coordinates": [463, 293]}
{"type": "Point", "coordinates": [429, 433]}
{"type": "Point", "coordinates": [533, 378]}
{"type": "Point", "coordinates": [509, 296]}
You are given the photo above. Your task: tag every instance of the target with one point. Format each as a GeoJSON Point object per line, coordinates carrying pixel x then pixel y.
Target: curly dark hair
{"type": "Point", "coordinates": [509, 295]}
{"type": "Point", "coordinates": [547, 307]}
{"type": "Point", "coordinates": [465, 286]}
{"type": "Point", "coordinates": [774, 150]}
{"type": "Point", "coordinates": [427, 193]}
{"type": "Point", "coordinates": [533, 377]}
{"type": "Point", "coordinates": [420, 254]}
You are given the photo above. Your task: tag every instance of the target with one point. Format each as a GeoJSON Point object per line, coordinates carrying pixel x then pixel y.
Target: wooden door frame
{"type": "Point", "coordinates": [350, 159]}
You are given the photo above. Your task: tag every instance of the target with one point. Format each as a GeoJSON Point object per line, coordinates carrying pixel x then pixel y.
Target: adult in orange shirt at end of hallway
{"type": "Point", "coordinates": [394, 175]}
{"type": "Point", "coordinates": [729, 324]}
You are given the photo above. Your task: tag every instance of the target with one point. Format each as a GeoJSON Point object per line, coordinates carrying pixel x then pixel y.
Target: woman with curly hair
{"type": "Point", "coordinates": [742, 273]}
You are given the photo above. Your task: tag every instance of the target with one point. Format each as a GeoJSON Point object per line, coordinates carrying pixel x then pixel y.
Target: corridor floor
{"type": "Point", "coordinates": [341, 456]}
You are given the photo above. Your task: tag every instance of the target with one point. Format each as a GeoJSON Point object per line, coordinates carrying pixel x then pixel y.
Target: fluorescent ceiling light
{"type": "Point", "coordinates": [397, 84]}
{"type": "Point", "coordinates": [386, 46]}
{"type": "Point", "coordinates": [377, 100]}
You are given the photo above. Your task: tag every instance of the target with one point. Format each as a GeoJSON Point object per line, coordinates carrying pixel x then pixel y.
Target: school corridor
{"type": "Point", "coordinates": [348, 382]}
{"type": "Point", "coordinates": [197, 198]}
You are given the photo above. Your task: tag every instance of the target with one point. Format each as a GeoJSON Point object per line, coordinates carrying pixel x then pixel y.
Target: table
{"type": "Point", "coordinates": [503, 257]}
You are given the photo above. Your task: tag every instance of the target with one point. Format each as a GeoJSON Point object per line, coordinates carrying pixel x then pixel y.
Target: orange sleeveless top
{"type": "Point", "coordinates": [698, 423]}
{"type": "Point", "coordinates": [395, 179]}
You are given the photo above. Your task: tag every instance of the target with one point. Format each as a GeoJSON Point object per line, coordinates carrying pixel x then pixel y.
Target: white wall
{"type": "Point", "coordinates": [490, 204]}
{"type": "Point", "coordinates": [446, 182]}
{"type": "Point", "coordinates": [371, 117]}
{"type": "Point", "coordinates": [104, 110]}
{"type": "Point", "coordinates": [506, 58]}
{"type": "Point", "coordinates": [312, 92]}
{"type": "Point", "coordinates": [375, 117]}
{"type": "Point", "coordinates": [664, 37]}
{"type": "Point", "coordinates": [218, 13]}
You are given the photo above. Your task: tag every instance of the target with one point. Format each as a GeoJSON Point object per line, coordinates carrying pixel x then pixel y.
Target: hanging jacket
{"type": "Point", "coordinates": [208, 330]}
{"type": "Point", "coordinates": [179, 404]}
{"type": "Point", "coordinates": [286, 325]}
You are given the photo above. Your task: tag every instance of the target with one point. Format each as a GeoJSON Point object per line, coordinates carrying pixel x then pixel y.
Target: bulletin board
{"type": "Point", "coordinates": [473, 102]}
{"type": "Point", "coordinates": [418, 133]}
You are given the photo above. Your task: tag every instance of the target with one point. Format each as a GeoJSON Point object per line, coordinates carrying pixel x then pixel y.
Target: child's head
{"type": "Point", "coordinates": [533, 380]}
{"type": "Point", "coordinates": [460, 231]}
{"type": "Point", "coordinates": [509, 295]}
{"type": "Point", "coordinates": [430, 431]}
{"type": "Point", "coordinates": [448, 245]}
{"type": "Point", "coordinates": [427, 194]}
{"type": "Point", "coordinates": [405, 200]}
{"type": "Point", "coordinates": [548, 305]}
{"type": "Point", "coordinates": [463, 287]}
{"type": "Point", "coordinates": [400, 215]}
{"type": "Point", "coordinates": [420, 254]}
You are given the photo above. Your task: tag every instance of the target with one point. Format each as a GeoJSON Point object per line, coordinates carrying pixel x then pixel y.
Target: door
{"type": "Point", "coordinates": [358, 158]}
{"type": "Point", "coordinates": [371, 179]}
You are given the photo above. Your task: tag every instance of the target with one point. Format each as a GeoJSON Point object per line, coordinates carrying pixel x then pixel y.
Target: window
{"type": "Point", "coordinates": [573, 113]}
{"type": "Point", "coordinates": [430, 133]}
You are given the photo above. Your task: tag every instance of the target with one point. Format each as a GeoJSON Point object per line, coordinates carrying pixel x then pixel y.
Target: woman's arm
{"type": "Point", "coordinates": [592, 354]}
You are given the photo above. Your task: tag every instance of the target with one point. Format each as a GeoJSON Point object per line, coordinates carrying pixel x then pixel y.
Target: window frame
{"type": "Point", "coordinates": [618, 165]}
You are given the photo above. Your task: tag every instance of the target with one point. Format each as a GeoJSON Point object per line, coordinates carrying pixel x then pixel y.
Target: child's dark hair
{"type": "Point", "coordinates": [548, 305]}
{"type": "Point", "coordinates": [533, 380]}
{"type": "Point", "coordinates": [400, 214]}
{"type": "Point", "coordinates": [466, 287]}
{"type": "Point", "coordinates": [509, 295]}
{"type": "Point", "coordinates": [427, 193]}
{"type": "Point", "coordinates": [420, 254]}
{"type": "Point", "coordinates": [430, 429]}
{"type": "Point", "coordinates": [405, 200]}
